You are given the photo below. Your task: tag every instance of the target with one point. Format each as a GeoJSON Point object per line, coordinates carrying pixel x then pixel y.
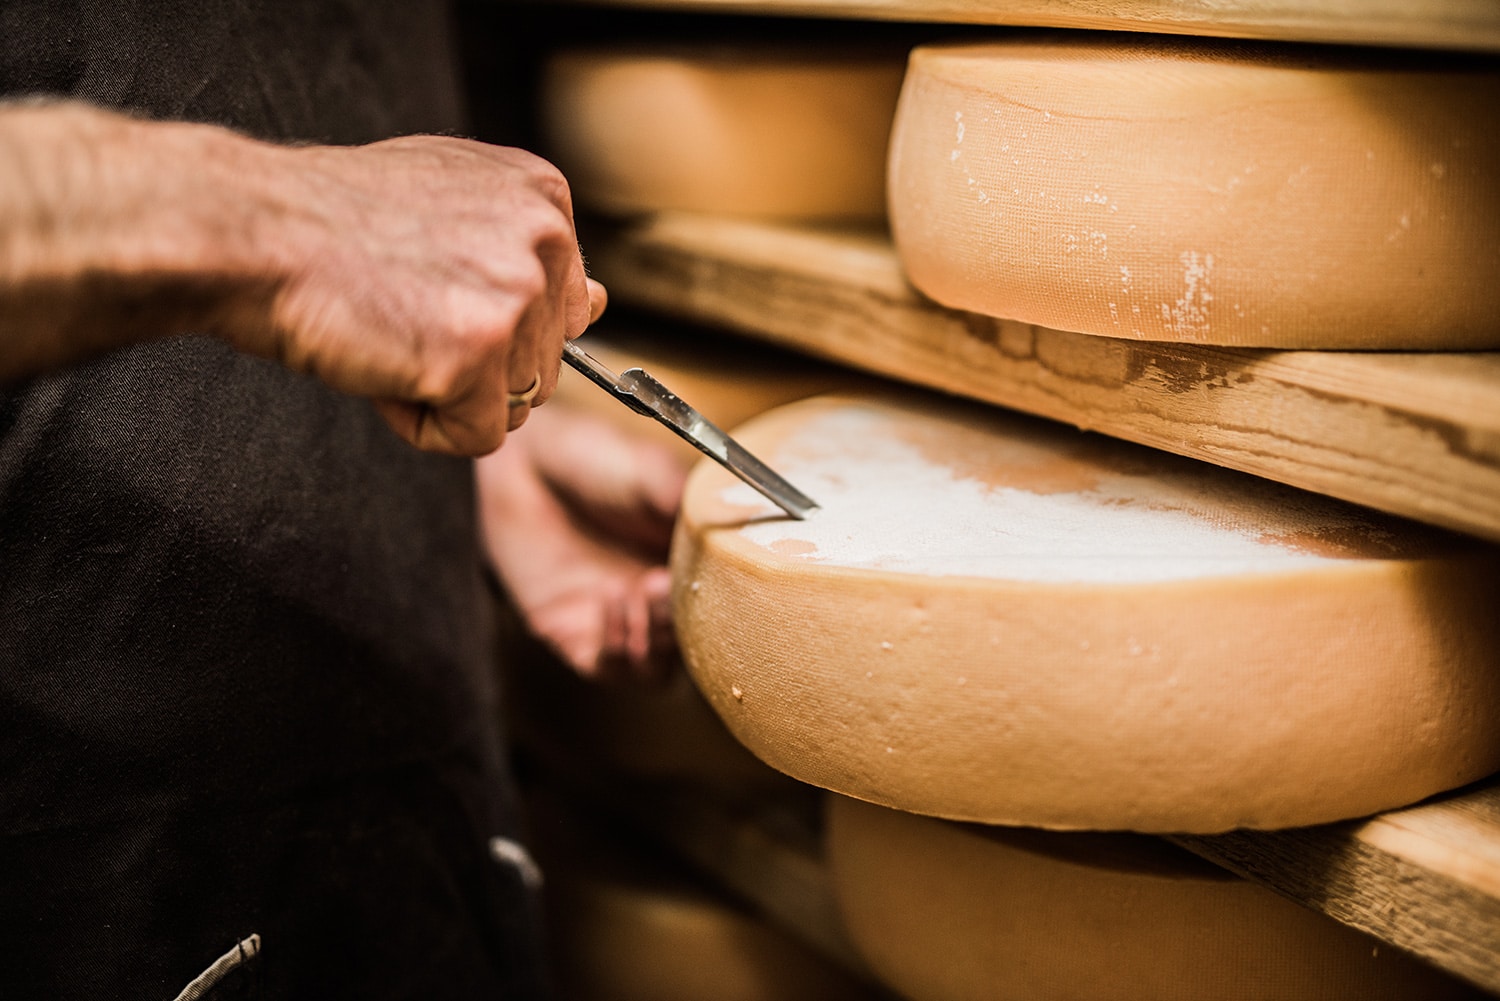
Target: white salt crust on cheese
{"type": "Point", "coordinates": [998, 619]}
{"type": "Point", "coordinates": [956, 912]}
{"type": "Point", "coordinates": [759, 131]}
{"type": "Point", "coordinates": [1204, 191]}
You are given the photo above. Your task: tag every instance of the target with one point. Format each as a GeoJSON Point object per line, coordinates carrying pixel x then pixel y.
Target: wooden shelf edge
{"type": "Point", "coordinates": [1425, 879]}
{"type": "Point", "coordinates": [1416, 435]}
{"type": "Point", "coordinates": [1464, 25]}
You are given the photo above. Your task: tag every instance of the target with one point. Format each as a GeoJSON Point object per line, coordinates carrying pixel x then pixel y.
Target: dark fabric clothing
{"type": "Point", "coordinates": [340, 71]}
{"type": "Point", "coordinates": [245, 646]}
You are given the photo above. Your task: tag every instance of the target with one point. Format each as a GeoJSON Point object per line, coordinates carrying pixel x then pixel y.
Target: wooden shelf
{"type": "Point", "coordinates": [1411, 434]}
{"type": "Point", "coordinates": [1426, 878]}
{"type": "Point", "coordinates": [1439, 24]}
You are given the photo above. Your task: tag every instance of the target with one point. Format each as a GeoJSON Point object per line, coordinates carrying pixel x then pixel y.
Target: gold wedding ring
{"type": "Point", "coordinates": [528, 394]}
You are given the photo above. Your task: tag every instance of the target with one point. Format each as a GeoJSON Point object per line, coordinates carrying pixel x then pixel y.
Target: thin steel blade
{"type": "Point", "coordinates": [644, 394]}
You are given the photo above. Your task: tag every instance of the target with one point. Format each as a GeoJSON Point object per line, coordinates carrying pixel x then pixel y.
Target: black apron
{"type": "Point", "coordinates": [246, 697]}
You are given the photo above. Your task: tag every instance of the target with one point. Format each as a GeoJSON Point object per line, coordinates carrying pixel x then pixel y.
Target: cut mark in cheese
{"type": "Point", "coordinates": [1206, 192]}
{"type": "Point", "coordinates": [994, 618]}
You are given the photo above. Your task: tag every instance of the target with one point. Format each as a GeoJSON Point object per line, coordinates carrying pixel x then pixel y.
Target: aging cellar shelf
{"type": "Point", "coordinates": [1412, 434]}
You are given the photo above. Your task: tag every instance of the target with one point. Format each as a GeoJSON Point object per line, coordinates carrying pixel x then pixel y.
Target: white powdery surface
{"type": "Point", "coordinates": [885, 505]}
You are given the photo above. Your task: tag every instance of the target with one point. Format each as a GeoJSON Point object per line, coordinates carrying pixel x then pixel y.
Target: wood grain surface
{"type": "Point", "coordinates": [1411, 434]}
{"type": "Point", "coordinates": [1443, 24]}
{"type": "Point", "coordinates": [1426, 878]}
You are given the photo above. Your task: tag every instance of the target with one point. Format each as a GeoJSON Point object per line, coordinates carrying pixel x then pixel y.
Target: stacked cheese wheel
{"type": "Point", "coordinates": [769, 131]}
{"type": "Point", "coordinates": [951, 912]}
{"type": "Point", "coordinates": [1211, 192]}
{"type": "Point", "coordinates": [996, 619]}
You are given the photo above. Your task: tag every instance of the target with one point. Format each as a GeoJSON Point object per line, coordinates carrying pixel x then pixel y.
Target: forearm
{"type": "Point", "coordinates": [436, 276]}
{"type": "Point", "coordinates": [114, 230]}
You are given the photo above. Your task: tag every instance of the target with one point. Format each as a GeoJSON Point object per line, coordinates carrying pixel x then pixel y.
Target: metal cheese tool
{"type": "Point", "coordinates": [639, 391]}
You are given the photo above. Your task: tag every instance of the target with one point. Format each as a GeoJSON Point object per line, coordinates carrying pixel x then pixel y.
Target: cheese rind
{"type": "Point", "coordinates": [950, 912]}
{"type": "Point", "coordinates": [770, 133]}
{"type": "Point", "coordinates": [1205, 192]}
{"type": "Point", "coordinates": [1213, 652]}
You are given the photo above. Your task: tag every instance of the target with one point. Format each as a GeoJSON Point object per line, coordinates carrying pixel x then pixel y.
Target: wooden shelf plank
{"type": "Point", "coordinates": [1426, 878]}
{"type": "Point", "coordinates": [1440, 24]}
{"type": "Point", "coordinates": [1412, 434]}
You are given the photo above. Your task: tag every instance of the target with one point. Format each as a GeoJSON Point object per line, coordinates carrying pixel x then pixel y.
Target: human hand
{"type": "Point", "coordinates": [577, 518]}
{"type": "Point", "coordinates": [438, 276]}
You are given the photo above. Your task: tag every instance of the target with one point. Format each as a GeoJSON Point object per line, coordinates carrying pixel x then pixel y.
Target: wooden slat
{"type": "Point", "coordinates": [1442, 24]}
{"type": "Point", "coordinates": [1412, 434]}
{"type": "Point", "coordinates": [1426, 878]}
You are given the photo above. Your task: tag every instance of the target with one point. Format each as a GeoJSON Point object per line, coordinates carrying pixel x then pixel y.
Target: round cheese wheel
{"type": "Point", "coordinates": [750, 131]}
{"type": "Point", "coordinates": [998, 619]}
{"type": "Point", "coordinates": [1207, 192]}
{"type": "Point", "coordinates": [954, 912]}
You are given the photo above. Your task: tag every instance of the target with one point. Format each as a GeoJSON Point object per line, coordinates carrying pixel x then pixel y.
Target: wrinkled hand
{"type": "Point", "coordinates": [435, 275]}
{"type": "Point", "coordinates": [577, 519]}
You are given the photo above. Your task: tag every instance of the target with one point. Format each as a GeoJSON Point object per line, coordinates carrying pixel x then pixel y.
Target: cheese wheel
{"type": "Point", "coordinates": [1206, 192]}
{"type": "Point", "coordinates": [750, 131]}
{"type": "Point", "coordinates": [998, 619]}
{"type": "Point", "coordinates": [951, 912]}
